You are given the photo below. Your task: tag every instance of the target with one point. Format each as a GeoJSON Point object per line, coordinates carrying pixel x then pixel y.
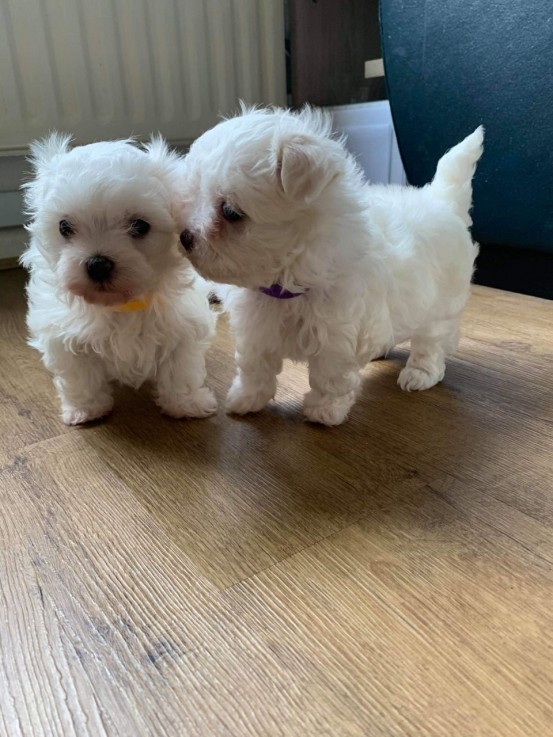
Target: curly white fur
{"type": "Point", "coordinates": [100, 190]}
{"type": "Point", "coordinates": [377, 265]}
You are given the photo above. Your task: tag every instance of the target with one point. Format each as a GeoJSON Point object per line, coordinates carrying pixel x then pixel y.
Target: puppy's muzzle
{"type": "Point", "coordinates": [187, 240]}
{"type": "Point", "coordinates": [99, 268]}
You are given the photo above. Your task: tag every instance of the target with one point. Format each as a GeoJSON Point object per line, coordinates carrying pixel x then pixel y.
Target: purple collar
{"type": "Point", "coordinates": [278, 292]}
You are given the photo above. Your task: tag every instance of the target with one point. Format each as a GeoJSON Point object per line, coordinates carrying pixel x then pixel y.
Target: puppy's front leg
{"type": "Point", "coordinates": [255, 383]}
{"type": "Point", "coordinates": [181, 390]}
{"type": "Point", "coordinates": [81, 382]}
{"type": "Point", "coordinates": [333, 378]}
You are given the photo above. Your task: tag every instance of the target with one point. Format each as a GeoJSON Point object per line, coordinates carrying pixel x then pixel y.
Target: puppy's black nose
{"type": "Point", "coordinates": [187, 240]}
{"type": "Point", "coordinates": [99, 268]}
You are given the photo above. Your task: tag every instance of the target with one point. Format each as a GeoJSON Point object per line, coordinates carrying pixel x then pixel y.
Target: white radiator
{"type": "Point", "coordinates": [109, 68]}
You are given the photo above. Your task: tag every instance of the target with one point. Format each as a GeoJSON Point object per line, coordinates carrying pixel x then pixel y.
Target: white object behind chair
{"type": "Point", "coordinates": [371, 138]}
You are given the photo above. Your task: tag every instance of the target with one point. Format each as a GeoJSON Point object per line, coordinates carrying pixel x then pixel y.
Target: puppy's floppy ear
{"type": "Point", "coordinates": [167, 161]}
{"type": "Point", "coordinates": [43, 151]}
{"type": "Point", "coordinates": [157, 147]}
{"type": "Point", "coordinates": [303, 167]}
{"type": "Point", "coordinates": [42, 154]}
{"type": "Point", "coordinates": [158, 150]}
{"type": "Point", "coordinates": [168, 168]}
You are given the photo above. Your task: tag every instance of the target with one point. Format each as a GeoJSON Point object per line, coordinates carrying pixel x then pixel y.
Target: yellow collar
{"type": "Point", "coordinates": [135, 305]}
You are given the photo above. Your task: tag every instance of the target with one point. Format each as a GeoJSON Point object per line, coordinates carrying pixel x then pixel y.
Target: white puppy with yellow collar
{"type": "Point", "coordinates": [111, 296]}
{"type": "Point", "coordinates": [326, 268]}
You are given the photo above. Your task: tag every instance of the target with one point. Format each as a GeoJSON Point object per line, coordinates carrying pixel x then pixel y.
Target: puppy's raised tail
{"type": "Point", "coordinates": [453, 179]}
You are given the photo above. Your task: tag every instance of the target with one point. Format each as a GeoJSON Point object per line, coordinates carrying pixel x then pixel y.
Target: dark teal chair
{"type": "Point", "coordinates": [453, 65]}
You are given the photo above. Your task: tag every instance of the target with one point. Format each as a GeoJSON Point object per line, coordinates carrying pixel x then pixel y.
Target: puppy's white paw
{"type": "Point", "coordinates": [242, 400]}
{"type": "Point", "coordinates": [80, 416]}
{"type": "Point", "coordinates": [413, 379]}
{"type": "Point", "coordinates": [327, 410]}
{"type": "Point", "coordinates": [201, 403]}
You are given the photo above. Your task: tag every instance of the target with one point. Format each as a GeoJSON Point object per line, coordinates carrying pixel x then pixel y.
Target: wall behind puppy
{"type": "Point", "coordinates": [329, 44]}
{"type": "Point", "coordinates": [112, 68]}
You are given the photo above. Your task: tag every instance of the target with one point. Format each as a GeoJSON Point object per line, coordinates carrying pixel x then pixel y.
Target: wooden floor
{"type": "Point", "coordinates": [267, 578]}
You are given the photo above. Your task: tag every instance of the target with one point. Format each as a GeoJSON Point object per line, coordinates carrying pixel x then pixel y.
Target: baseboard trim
{"type": "Point", "coordinates": [9, 263]}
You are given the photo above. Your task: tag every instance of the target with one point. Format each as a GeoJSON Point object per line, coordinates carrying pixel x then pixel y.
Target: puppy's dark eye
{"type": "Point", "coordinates": [66, 229]}
{"type": "Point", "coordinates": [230, 215]}
{"type": "Point", "coordinates": [139, 228]}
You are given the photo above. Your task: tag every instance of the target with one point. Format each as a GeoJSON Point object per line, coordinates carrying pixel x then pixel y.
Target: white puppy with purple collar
{"type": "Point", "coordinates": [326, 268]}
{"type": "Point", "coordinates": [111, 296]}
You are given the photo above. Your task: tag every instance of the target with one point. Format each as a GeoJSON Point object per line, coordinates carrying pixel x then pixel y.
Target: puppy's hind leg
{"type": "Point", "coordinates": [429, 347]}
